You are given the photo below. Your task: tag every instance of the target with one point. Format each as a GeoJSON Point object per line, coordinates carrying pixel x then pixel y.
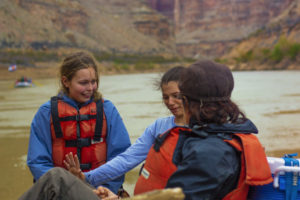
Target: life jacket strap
{"type": "Point", "coordinates": [55, 117]}
{"type": "Point", "coordinates": [77, 118]}
{"type": "Point", "coordinates": [85, 166]}
{"type": "Point", "coordinates": [99, 121]}
{"type": "Point", "coordinates": [81, 142]}
{"type": "Point", "coordinates": [160, 140]}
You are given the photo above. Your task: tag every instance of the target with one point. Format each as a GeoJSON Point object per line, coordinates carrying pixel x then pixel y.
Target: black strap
{"type": "Point", "coordinates": [85, 166]}
{"type": "Point", "coordinates": [99, 121]}
{"type": "Point", "coordinates": [142, 167]}
{"type": "Point", "coordinates": [79, 142]}
{"type": "Point", "coordinates": [55, 117]}
{"type": "Point", "coordinates": [160, 140]}
{"type": "Point", "coordinates": [78, 118]}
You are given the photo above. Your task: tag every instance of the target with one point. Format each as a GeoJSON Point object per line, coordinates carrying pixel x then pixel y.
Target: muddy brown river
{"type": "Point", "coordinates": [271, 99]}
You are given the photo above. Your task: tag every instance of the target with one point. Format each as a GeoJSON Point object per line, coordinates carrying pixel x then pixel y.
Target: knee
{"type": "Point", "coordinates": [52, 176]}
{"type": "Point", "coordinates": [56, 173]}
{"type": "Point", "coordinates": [60, 177]}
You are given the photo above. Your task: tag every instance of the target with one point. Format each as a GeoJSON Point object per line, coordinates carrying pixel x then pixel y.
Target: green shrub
{"type": "Point", "coordinates": [123, 58]}
{"type": "Point", "coordinates": [141, 66]}
{"type": "Point", "coordinates": [266, 52]}
{"type": "Point", "coordinates": [121, 67]}
{"type": "Point", "coordinates": [282, 49]}
{"type": "Point", "coordinates": [293, 51]}
{"type": "Point", "coordinates": [221, 60]}
{"type": "Point", "coordinates": [27, 57]}
{"type": "Point", "coordinates": [277, 54]}
{"type": "Point", "coordinates": [245, 57]}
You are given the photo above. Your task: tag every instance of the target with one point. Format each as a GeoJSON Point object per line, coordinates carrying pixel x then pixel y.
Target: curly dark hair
{"type": "Point", "coordinates": [206, 88]}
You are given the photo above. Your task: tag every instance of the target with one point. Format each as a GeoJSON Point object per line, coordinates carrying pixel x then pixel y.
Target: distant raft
{"type": "Point", "coordinates": [24, 82]}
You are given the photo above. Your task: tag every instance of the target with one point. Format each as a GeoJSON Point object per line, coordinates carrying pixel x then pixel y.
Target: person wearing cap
{"type": "Point", "coordinates": [217, 156]}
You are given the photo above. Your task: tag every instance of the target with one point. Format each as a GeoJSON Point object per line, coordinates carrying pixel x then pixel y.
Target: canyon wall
{"type": "Point", "coordinates": [97, 25]}
{"type": "Point", "coordinates": [209, 28]}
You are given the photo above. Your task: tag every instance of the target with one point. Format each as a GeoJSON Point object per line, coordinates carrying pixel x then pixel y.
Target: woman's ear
{"type": "Point", "coordinates": [65, 81]}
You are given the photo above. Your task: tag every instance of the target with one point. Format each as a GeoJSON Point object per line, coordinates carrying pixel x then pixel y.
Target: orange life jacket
{"type": "Point", "coordinates": [159, 166]}
{"type": "Point", "coordinates": [82, 132]}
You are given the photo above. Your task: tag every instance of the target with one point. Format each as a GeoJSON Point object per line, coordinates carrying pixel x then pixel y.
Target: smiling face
{"type": "Point", "coordinates": [170, 94]}
{"type": "Point", "coordinates": [82, 86]}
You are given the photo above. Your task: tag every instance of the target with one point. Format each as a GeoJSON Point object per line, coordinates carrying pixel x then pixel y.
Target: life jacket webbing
{"type": "Point", "coordinates": [77, 118]}
{"type": "Point", "coordinates": [85, 166]}
{"type": "Point", "coordinates": [79, 142]}
{"type": "Point", "coordinates": [99, 121]}
{"type": "Point", "coordinates": [159, 140]}
{"type": "Point", "coordinates": [78, 135]}
{"type": "Point", "coordinates": [55, 117]}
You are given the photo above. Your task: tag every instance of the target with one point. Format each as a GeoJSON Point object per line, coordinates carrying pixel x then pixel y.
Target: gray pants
{"type": "Point", "coordinates": [59, 184]}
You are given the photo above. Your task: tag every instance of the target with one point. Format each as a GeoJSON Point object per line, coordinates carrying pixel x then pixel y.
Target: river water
{"type": "Point", "coordinates": [271, 99]}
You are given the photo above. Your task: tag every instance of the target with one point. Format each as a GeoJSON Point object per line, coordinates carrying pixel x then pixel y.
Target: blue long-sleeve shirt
{"type": "Point", "coordinates": [39, 157]}
{"type": "Point", "coordinates": [133, 156]}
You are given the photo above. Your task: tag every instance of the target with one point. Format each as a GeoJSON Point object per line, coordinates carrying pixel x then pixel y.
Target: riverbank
{"type": "Point", "coordinates": [50, 70]}
{"type": "Point", "coordinates": [32, 72]}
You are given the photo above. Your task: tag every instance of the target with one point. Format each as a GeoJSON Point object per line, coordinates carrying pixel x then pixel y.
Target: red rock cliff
{"type": "Point", "coordinates": [97, 25]}
{"type": "Point", "coordinates": [211, 27]}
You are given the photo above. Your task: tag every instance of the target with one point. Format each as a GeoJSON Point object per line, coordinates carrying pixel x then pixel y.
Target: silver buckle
{"type": "Point", "coordinates": [95, 142]}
